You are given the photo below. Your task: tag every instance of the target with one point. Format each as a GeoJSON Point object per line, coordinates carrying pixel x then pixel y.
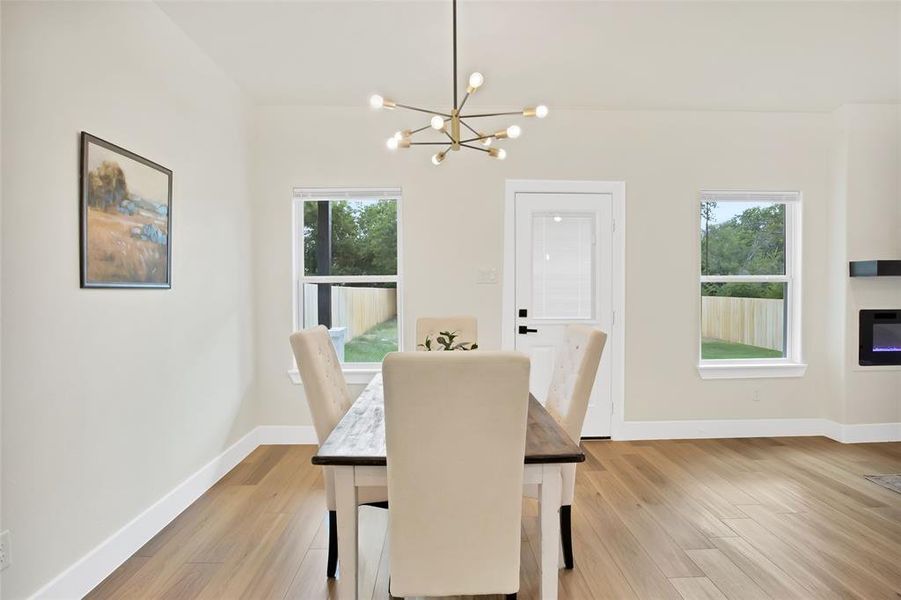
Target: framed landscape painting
{"type": "Point", "coordinates": [126, 217]}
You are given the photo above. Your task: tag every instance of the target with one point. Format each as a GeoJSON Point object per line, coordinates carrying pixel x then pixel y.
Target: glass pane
{"type": "Point", "coordinates": [743, 320]}
{"type": "Point", "coordinates": [362, 240]}
{"type": "Point", "coordinates": [742, 238]}
{"type": "Point", "coordinates": [362, 318]}
{"type": "Point", "coordinates": [887, 337]}
{"type": "Point", "coordinates": [562, 266]}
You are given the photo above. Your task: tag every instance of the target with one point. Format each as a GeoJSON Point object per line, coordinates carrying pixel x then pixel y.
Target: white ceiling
{"type": "Point", "coordinates": [693, 55]}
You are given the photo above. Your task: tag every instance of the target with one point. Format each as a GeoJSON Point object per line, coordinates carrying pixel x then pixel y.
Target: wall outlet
{"type": "Point", "coordinates": [5, 557]}
{"type": "Point", "coordinates": [755, 396]}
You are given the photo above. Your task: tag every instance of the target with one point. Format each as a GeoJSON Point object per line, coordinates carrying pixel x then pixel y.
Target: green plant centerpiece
{"type": "Point", "coordinates": [446, 340]}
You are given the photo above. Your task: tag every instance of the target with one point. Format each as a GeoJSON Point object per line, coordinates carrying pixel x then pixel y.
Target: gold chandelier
{"type": "Point", "coordinates": [452, 124]}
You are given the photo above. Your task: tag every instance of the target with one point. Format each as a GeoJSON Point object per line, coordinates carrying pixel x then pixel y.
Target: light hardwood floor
{"type": "Point", "coordinates": [751, 518]}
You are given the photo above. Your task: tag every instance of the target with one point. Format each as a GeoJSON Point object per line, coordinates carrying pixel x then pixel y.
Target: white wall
{"type": "Point", "coordinates": [113, 397]}
{"type": "Point", "coordinates": [665, 158]}
{"type": "Point", "coordinates": [1, 280]}
{"type": "Point", "coordinates": [866, 225]}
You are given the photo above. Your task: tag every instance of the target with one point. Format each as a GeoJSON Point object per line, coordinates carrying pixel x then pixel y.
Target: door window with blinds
{"type": "Point", "coordinates": [563, 265]}
{"type": "Point", "coordinates": [347, 276]}
{"type": "Point", "coordinates": [749, 277]}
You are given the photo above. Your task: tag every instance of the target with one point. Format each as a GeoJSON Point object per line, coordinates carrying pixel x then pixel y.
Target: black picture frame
{"type": "Point", "coordinates": [156, 234]}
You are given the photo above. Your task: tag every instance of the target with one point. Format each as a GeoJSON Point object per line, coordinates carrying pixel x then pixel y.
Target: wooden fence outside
{"type": "Point", "coordinates": [753, 321]}
{"type": "Point", "coordinates": [358, 309]}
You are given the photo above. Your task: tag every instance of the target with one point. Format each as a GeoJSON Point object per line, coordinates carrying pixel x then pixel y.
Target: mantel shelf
{"type": "Point", "coordinates": [875, 268]}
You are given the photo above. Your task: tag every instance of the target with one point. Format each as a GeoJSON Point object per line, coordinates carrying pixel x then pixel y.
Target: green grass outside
{"type": "Point", "coordinates": [717, 349]}
{"type": "Point", "coordinates": [373, 345]}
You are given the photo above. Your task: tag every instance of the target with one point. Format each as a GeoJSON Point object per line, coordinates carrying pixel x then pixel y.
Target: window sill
{"type": "Point", "coordinates": [864, 368]}
{"type": "Point", "coordinates": [353, 376]}
{"type": "Point", "coordinates": [751, 371]}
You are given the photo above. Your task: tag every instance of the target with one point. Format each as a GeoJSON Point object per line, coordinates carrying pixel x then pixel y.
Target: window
{"type": "Point", "coordinates": [750, 284]}
{"type": "Point", "coordinates": [563, 252]}
{"type": "Point", "coordinates": [347, 274]}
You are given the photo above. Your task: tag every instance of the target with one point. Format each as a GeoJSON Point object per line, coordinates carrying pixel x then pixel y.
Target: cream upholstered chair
{"type": "Point", "coordinates": [575, 370]}
{"type": "Point", "coordinates": [467, 329]}
{"type": "Point", "coordinates": [455, 428]}
{"type": "Point", "coordinates": [329, 399]}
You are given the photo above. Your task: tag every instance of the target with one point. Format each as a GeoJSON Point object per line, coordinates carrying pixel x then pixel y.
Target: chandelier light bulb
{"type": "Point", "coordinates": [541, 111]}
{"type": "Point", "coordinates": [514, 131]}
{"type": "Point", "coordinates": [476, 80]}
{"type": "Point", "coordinates": [376, 101]}
{"type": "Point", "coordinates": [487, 140]}
{"type": "Point", "coordinates": [498, 153]}
{"type": "Point", "coordinates": [392, 143]}
{"type": "Point", "coordinates": [398, 135]}
{"type": "Point", "coordinates": [438, 158]}
{"type": "Point", "coordinates": [437, 122]}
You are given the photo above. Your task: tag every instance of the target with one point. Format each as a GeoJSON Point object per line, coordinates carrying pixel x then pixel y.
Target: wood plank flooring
{"type": "Point", "coordinates": [703, 519]}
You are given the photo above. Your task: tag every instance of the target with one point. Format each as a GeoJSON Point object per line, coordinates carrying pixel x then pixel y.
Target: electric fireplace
{"type": "Point", "coordinates": [880, 337]}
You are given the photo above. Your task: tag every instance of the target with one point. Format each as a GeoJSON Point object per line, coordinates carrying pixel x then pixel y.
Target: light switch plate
{"type": "Point", "coordinates": [486, 275]}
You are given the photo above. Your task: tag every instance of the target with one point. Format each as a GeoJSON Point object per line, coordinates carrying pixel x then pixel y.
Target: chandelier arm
{"type": "Point", "coordinates": [476, 139]}
{"type": "Point", "coordinates": [428, 143]}
{"type": "Point", "coordinates": [415, 131]}
{"type": "Point", "coordinates": [475, 148]}
{"type": "Point", "coordinates": [449, 136]}
{"type": "Point", "coordinates": [497, 114]}
{"type": "Point", "coordinates": [463, 103]}
{"type": "Point", "coordinates": [466, 125]}
{"type": "Point", "coordinates": [425, 110]}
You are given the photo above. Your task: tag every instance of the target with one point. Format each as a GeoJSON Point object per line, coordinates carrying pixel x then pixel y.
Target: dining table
{"type": "Point", "coordinates": [356, 451]}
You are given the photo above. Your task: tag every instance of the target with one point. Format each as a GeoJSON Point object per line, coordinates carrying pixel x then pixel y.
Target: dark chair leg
{"type": "Point", "coordinates": [511, 596]}
{"type": "Point", "coordinates": [566, 535]}
{"type": "Point", "coordinates": [332, 544]}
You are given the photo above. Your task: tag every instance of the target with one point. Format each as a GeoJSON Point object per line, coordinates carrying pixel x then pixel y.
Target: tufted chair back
{"type": "Point", "coordinates": [574, 372]}
{"type": "Point", "coordinates": [325, 388]}
{"type": "Point", "coordinates": [323, 380]}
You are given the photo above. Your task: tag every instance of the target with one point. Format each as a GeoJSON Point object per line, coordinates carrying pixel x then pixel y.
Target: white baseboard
{"type": "Point", "coordinates": [726, 428]}
{"type": "Point", "coordinates": [83, 576]}
{"type": "Point", "coordinates": [739, 428]}
{"type": "Point", "coordinates": [868, 432]}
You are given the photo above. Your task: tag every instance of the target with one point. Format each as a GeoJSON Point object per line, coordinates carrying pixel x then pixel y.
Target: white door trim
{"type": "Point", "coordinates": [616, 341]}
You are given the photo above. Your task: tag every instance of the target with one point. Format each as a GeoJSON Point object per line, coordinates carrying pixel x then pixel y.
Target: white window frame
{"type": "Point", "coordinates": [355, 373]}
{"type": "Point", "coordinates": [791, 365]}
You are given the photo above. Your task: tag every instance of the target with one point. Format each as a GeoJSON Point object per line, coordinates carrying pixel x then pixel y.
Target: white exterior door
{"type": "Point", "coordinates": [563, 263]}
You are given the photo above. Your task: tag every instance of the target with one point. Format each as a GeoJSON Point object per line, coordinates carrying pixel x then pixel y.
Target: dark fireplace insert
{"type": "Point", "coordinates": [880, 337]}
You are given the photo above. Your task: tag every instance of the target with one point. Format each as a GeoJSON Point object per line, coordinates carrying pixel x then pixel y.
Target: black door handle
{"type": "Point", "coordinates": [523, 330]}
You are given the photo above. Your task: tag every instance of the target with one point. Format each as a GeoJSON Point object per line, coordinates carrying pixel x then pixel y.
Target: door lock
{"type": "Point", "coordinates": [524, 330]}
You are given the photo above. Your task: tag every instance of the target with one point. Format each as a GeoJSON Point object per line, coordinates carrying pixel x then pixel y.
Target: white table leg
{"type": "Point", "coordinates": [549, 497]}
{"type": "Point", "coordinates": [346, 508]}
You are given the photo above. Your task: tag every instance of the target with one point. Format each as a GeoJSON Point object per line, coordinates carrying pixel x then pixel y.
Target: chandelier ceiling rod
{"type": "Point", "coordinates": [455, 53]}
{"type": "Point", "coordinates": [449, 123]}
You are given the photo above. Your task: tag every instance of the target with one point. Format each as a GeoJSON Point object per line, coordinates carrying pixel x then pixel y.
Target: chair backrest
{"type": "Point", "coordinates": [455, 427]}
{"type": "Point", "coordinates": [467, 329]}
{"type": "Point", "coordinates": [575, 369]}
{"type": "Point", "coordinates": [323, 380]}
